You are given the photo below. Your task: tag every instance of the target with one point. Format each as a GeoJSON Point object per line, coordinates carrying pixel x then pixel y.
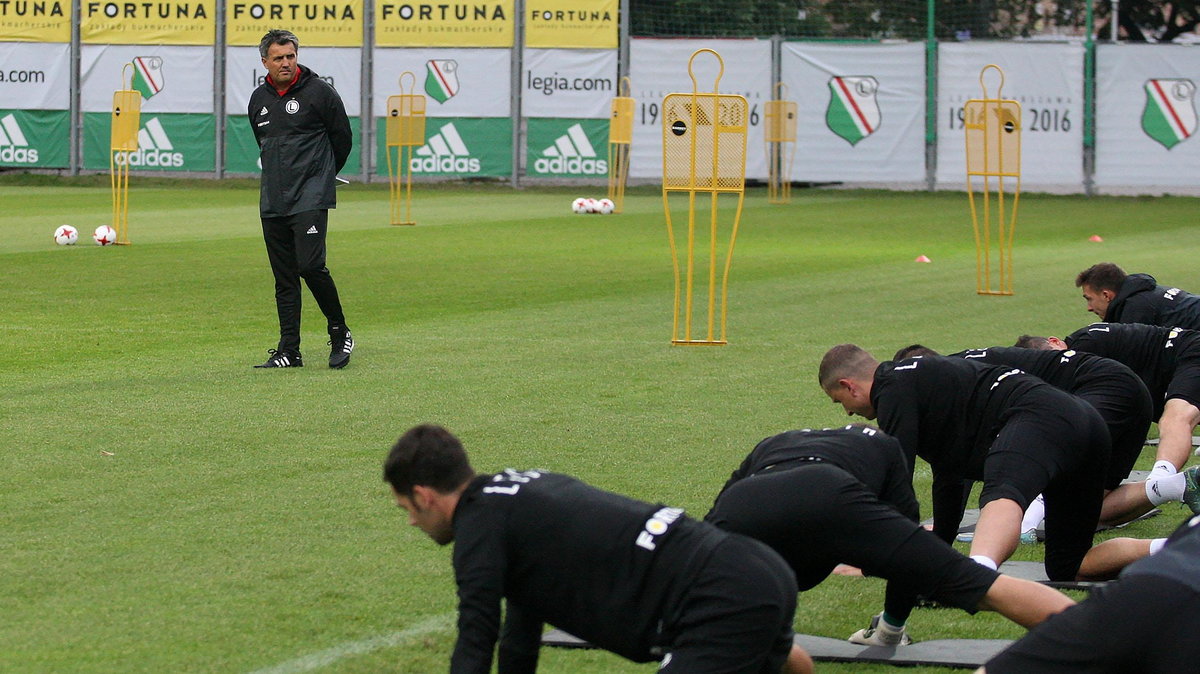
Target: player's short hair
{"type": "Point", "coordinates": [845, 361]}
{"type": "Point", "coordinates": [277, 36]}
{"type": "Point", "coordinates": [914, 350]}
{"type": "Point", "coordinates": [1103, 276]}
{"type": "Point", "coordinates": [1033, 342]}
{"type": "Point", "coordinates": [430, 456]}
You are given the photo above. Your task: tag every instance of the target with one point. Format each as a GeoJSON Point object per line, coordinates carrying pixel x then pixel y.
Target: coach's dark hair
{"type": "Point", "coordinates": [913, 350]}
{"type": "Point", "coordinates": [430, 456]}
{"type": "Point", "coordinates": [1032, 342]}
{"type": "Point", "coordinates": [1103, 276]}
{"type": "Point", "coordinates": [277, 36]}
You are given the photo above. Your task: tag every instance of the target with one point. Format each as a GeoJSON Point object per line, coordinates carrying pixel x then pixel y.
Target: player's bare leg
{"type": "Point", "coordinates": [998, 530]}
{"type": "Point", "coordinates": [1023, 601]}
{"type": "Point", "coordinates": [798, 662]}
{"type": "Point", "coordinates": [1179, 420]}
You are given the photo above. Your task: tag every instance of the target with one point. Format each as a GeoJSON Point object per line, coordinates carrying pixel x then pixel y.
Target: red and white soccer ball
{"type": "Point", "coordinates": [579, 205]}
{"type": "Point", "coordinates": [66, 235]}
{"type": "Point", "coordinates": [605, 206]}
{"type": "Point", "coordinates": [105, 236]}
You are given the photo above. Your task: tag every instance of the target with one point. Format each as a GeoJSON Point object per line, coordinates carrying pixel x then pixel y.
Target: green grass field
{"type": "Point", "coordinates": [167, 508]}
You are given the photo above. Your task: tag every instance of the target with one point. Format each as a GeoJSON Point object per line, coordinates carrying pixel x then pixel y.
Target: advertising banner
{"type": "Point", "coordinates": [571, 24]}
{"type": "Point", "coordinates": [457, 148]}
{"type": "Point", "coordinates": [35, 138]}
{"type": "Point", "coordinates": [1146, 115]}
{"type": "Point", "coordinates": [1051, 98]}
{"type": "Point", "coordinates": [241, 150]}
{"type": "Point", "coordinates": [860, 110]}
{"type": "Point", "coordinates": [173, 22]}
{"type": "Point", "coordinates": [399, 23]}
{"type": "Point", "coordinates": [166, 142]}
{"type": "Point", "coordinates": [660, 67]}
{"type": "Point", "coordinates": [456, 82]}
{"type": "Point", "coordinates": [35, 21]}
{"type": "Point", "coordinates": [337, 23]}
{"type": "Point", "coordinates": [340, 67]}
{"type": "Point", "coordinates": [566, 148]}
{"type": "Point", "coordinates": [578, 83]}
{"type": "Point", "coordinates": [35, 76]}
{"type": "Point", "coordinates": [171, 79]}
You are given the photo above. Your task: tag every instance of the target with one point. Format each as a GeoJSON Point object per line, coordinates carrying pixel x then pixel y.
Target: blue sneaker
{"type": "Point", "coordinates": [1028, 537]}
{"type": "Point", "coordinates": [1191, 488]}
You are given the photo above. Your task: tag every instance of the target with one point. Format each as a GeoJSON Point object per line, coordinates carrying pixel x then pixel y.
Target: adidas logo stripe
{"type": "Point", "coordinates": [14, 146]}
{"type": "Point", "coordinates": [574, 143]}
{"type": "Point", "coordinates": [312, 230]}
{"type": "Point", "coordinates": [571, 154]}
{"type": "Point", "coordinates": [154, 148]}
{"type": "Point", "coordinates": [444, 152]}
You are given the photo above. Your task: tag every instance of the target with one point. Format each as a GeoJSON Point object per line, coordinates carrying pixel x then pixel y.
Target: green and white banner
{"type": "Point", "coordinates": [166, 142]}
{"type": "Point", "coordinates": [460, 148]}
{"type": "Point", "coordinates": [35, 76]}
{"type": "Point", "coordinates": [1146, 115]}
{"type": "Point", "coordinates": [566, 148]}
{"type": "Point", "coordinates": [660, 67]}
{"type": "Point", "coordinates": [860, 110]}
{"type": "Point", "coordinates": [34, 138]}
{"type": "Point", "coordinates": [241, 150]}
{"type": "Point", "coordinates": [456, 83]}
{"type": "Point", "coordinates": [1046, 79]}
{"type": "Point", "coordinates": [576, 83]}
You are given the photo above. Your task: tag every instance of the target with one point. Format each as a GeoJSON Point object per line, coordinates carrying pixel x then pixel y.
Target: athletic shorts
{"type": "Point", "coordinates": [1140, 623]}
{"type": "Point", "coordinates": [1185, 382]}
{"type": "Point", "coordinates": [736, 616]}
{"type": "Point", "coordinates": [1124, 403]}
{"type": "Point", "coordinates": [1058, 447]}
{"type": "Point", "coordinates": [817, 516]}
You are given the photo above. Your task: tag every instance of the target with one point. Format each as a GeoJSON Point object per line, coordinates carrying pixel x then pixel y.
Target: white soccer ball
{"type": "Point", "coordinates": [579, 205]}
{"type": "Point", "coordinates": [591, 206]}
{"type": "Point", "coordinates": [105, 236]}
{"type": "Point", "coordinates": [606, 206]}
{"type": "Point", "coordinates": [66, 235]}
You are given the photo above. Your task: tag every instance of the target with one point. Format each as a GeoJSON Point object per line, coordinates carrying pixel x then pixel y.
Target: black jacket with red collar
{"type": "Point", "coordinates": [304, 140]}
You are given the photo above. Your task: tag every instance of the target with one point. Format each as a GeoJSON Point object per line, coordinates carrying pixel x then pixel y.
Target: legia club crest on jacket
{"type": "Point", "coordinates": [148, 75]}
{"type": "Point", "coordinates": [1170, 113]}
{"type": "Point", "coordinates": [853, 111]}
{"type": "Point", "coordinates": [441, 79]}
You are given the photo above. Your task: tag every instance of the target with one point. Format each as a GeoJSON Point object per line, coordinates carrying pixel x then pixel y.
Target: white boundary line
{"type": "Point", "coordinates": [307, 663]}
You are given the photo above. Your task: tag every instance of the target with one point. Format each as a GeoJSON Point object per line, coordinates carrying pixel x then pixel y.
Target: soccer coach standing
{"type": "Point", "coordinates": [304, 138]}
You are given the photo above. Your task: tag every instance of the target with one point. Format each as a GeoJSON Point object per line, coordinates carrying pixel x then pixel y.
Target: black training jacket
{"type": "Point", "coordinates": [600, 566]}
{"type": "Point", "coordinates": [1071, 371]}
{"type": "Point", "coordinates": [873, 457]}
{"type": "Point", "coordinates": [1142, 300]}
{"type": "Point", "coordinates": [304, 139]}
{"type": "Point", "coordinates": [1150, 351]}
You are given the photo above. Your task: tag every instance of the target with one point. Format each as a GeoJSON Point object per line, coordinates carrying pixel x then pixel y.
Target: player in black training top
{"type": "Point", "coordinates": [824, 497]}
{"type": "Point", "coordinates": [643, 581]}
{"type": "Point", "coordinates": [970, 421]}
{"type": "Point", "coordinates": [1117, 297]}
{"type": "Point", "coordinates": [1147, 622]}
{"type": "Point", "coordinates": [1111, 387]}
{"type": "Point", "coordinates": [1168, 361]}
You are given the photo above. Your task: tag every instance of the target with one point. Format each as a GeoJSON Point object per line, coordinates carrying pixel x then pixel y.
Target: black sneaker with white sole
{"type": "Point", "coordinates": [283, 359]}
{"type": "Point", "coordinates": [341, 345]}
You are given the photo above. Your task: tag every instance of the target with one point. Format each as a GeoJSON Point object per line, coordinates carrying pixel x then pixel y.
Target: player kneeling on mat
{"type": "Point", "coordinates": [643, 581]}
{"type": "Point", "coordinates": [824, 497]}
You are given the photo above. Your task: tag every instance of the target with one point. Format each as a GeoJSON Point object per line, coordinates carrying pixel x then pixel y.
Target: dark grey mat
{"type": "Point", "coordinates": [1036, 572]}
{"type": "Point", "coordinates": [963, 653]}
{"type": "Point", "coordinates": [1195, 441]}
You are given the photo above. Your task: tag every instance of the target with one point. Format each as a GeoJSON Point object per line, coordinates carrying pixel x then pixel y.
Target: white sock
{"type": "Point", "coordinates": [1165, 488]}
{"type": "Point", "coordinates": [1157, 544]}
{"type": "Point", "coordinates": [1034, 514]}
{"type": "Point", "coordinates": [1163, 468]}
{"type": "Point", "coordinates": [985, 561]}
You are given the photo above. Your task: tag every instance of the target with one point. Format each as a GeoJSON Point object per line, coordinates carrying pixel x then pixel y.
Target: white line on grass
{"type": "Point", "coordinates": [307, 663]}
